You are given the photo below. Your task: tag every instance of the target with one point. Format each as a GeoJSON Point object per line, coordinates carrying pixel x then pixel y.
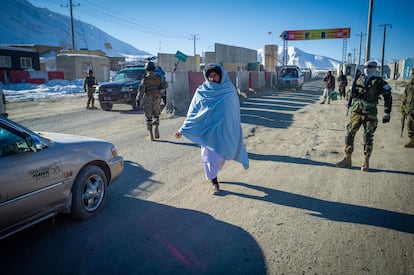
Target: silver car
{"type": "Point", "coordinates": [43, 174]}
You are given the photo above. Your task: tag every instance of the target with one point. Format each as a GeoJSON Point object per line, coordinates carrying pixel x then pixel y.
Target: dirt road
{"type": "Point", "coordinates": [291, 212]}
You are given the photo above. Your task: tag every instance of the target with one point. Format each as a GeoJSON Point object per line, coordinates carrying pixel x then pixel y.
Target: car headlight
{"type": "Point", "coordinates": [125, 89]}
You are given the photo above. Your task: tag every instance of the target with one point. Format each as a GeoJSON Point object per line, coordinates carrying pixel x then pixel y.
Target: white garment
{"type": "Point", "coordinates": [212, 161]}
{"type": "Point", "coordinates": [327, 95]}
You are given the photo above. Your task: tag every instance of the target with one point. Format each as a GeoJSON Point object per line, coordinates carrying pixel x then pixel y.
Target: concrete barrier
{"type": "Point", "coordinates": [182, 86]}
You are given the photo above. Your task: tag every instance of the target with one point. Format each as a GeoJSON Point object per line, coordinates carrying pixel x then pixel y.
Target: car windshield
{"type": "Point", "coordinates": [129, 74]}
{"type": "Point", "coordinates": [289, 72]}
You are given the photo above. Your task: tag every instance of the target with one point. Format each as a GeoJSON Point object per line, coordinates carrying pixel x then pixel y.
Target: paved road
{"type": "Point", "coordinates": [292, 212]}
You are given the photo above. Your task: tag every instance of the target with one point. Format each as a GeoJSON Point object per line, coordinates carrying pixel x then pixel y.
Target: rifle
{"type": "Point", "coordinates": [353, 91]}
{"type": "Point", "coordinates": [402, 124]}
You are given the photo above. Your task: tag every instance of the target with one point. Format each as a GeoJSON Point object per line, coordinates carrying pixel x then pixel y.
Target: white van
{"type": "Point", "coordinates": [290, 77]}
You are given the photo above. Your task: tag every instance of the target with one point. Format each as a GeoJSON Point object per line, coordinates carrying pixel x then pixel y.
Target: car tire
{"type": "Point", "coordinates": [88, 192]}
{"type": "Point", "coordinates": [106, 106]}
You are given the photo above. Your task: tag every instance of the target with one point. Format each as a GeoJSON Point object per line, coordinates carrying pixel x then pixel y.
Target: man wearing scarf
{"type": "Point", "coordinates": [213, 122]}
{"type": "Point", "coordinates": [366, 93]}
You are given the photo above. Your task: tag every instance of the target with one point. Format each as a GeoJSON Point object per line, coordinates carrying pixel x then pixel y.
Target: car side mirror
{"type": "Point", "coordinates": [34, 143]}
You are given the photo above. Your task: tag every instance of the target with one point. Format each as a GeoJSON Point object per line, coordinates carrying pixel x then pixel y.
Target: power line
{"type": "Point", "coordinates": [134, 24]}
{"type": "Point", "coordinates": [91, 9]}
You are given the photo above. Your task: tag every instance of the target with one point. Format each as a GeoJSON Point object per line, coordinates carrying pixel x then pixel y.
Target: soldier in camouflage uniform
{"type": "Point", "coordinates": [365, 92]}
{"type": "Point", "coordinates": [407, 108]}
{"type": "Point", "coordinates": [89, 85]}
{"type": "Point", "coordinates": [149, 91]}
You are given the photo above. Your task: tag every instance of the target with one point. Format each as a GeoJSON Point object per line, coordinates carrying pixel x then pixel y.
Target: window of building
{"type": "Point", "coordinates": [5, 61]}
{"type": "Point", "coordinates": [26, 62]}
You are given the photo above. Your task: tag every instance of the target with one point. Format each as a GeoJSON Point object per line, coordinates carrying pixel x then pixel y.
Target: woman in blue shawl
{"type": "Point", "coordinates": [213, 122]}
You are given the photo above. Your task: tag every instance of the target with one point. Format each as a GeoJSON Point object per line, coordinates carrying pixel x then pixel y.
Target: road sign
{"type": "Point", "coordinates": [181, 56]}
{"type": "Point", "coordinates": [316, 34]}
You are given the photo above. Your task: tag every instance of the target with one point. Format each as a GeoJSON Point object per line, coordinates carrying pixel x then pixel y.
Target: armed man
{"type": "Point", "coordinates": [149, 90]}
{"type": "Point", "coordinates": [89, 85]}
{"type": "Point", "coordinates": [407, 110]}
{"type": "Point", "coordinates": [365, 94]}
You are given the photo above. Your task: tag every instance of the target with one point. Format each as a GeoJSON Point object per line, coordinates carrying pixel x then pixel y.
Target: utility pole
{"type": "Point", "coordinates": [353, 56]}
{"type": "Point", "coordinates": [368, 42]}
{"type": "Point", "coordinates": [71, 5]}
{"type": "Point", "coordinates": [383, 47]}
{"type": "Point", "coordinates": [195, 37]}
{"type": "Point", "coordinates": [360, 47]}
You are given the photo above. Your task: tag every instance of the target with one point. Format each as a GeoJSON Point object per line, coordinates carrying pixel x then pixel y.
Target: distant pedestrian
{"type": "Point", "coordinates": [213, 122]}
{"type": "Point", "coordinates": [407, 109]}
{"type": "Point", "coordinates": [343, 82]}
{"type": "Point", "coordinates": [149, 93]}
{"type": "Point", "coordinates": [329, 80]}
{"type": "Point", "coordinates": [89, 85]}
{"type": "Point", "coordinates": [365, 94]}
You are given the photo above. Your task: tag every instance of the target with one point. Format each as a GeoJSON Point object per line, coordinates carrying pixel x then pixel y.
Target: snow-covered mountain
{"type": "Point", "coordinates": [23, 23]}
{"type": "Point", "coordinates": [302, 59]}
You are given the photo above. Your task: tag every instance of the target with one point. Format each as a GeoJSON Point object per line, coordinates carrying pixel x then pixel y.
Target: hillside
{"type": "Point", "coordinates": [23, 23]}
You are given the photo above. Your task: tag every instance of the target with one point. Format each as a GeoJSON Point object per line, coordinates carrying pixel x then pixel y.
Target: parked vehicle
{"type": "Point", "coordinates": [2, 104]}
{"type": "Point", "coordinates": [122, 89]}
{"type": "Point", "coordinates": [43, 174]}
{"type": "Point", "coordinates": [290, 77]}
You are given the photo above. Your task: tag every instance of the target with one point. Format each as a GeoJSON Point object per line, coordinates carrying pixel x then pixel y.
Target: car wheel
{"type": "Point", "coordinates": [106, 106]}
{"type": "Point", "coordinates": [88, 192]}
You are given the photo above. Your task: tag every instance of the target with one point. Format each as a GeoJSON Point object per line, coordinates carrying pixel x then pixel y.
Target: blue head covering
{"type": "Point", "coordinates": [213, 118]}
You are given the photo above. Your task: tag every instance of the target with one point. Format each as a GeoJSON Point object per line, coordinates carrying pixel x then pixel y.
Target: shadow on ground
{"type": "Point", "coordinates": [133, 236]}
{"type": "Point", "coordinates": [273, 109]}
{"type": "Point", "coordinates": [335, 211]}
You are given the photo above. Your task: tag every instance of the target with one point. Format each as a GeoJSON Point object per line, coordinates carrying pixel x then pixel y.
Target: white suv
{"type": "Point", "coordinates": [2, 104]}
{"type": "Point", "coordinates": [290, 77]}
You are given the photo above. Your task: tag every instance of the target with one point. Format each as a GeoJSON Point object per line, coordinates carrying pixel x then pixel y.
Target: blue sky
{"type": "Point", "coordinates": [167, 26]}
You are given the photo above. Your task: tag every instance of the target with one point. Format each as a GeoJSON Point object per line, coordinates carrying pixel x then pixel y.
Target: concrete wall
{"type": "Point", "coordinates": [183, 82]}
{"type": "Point", "coordinates": [76, 66]}
{"type": "Point", "coordinates": [256, 80]}
{"type": "Point", "coordinates": [178, 92]}
{"type": "Point", "coordinates": [234, 66]}
{"type": "Point", "coordinates": [232, 58]}
{"type": "Point", "coordinates": [270, 58]}
{"type": "Point", "coordinates": [181, 86]}
{"type": "Point", "coordinates": [242, 81]}
{"type": "Point", "coordinates": [209, 57]}
{"type": "Point", "coordinates": [233, 54]}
